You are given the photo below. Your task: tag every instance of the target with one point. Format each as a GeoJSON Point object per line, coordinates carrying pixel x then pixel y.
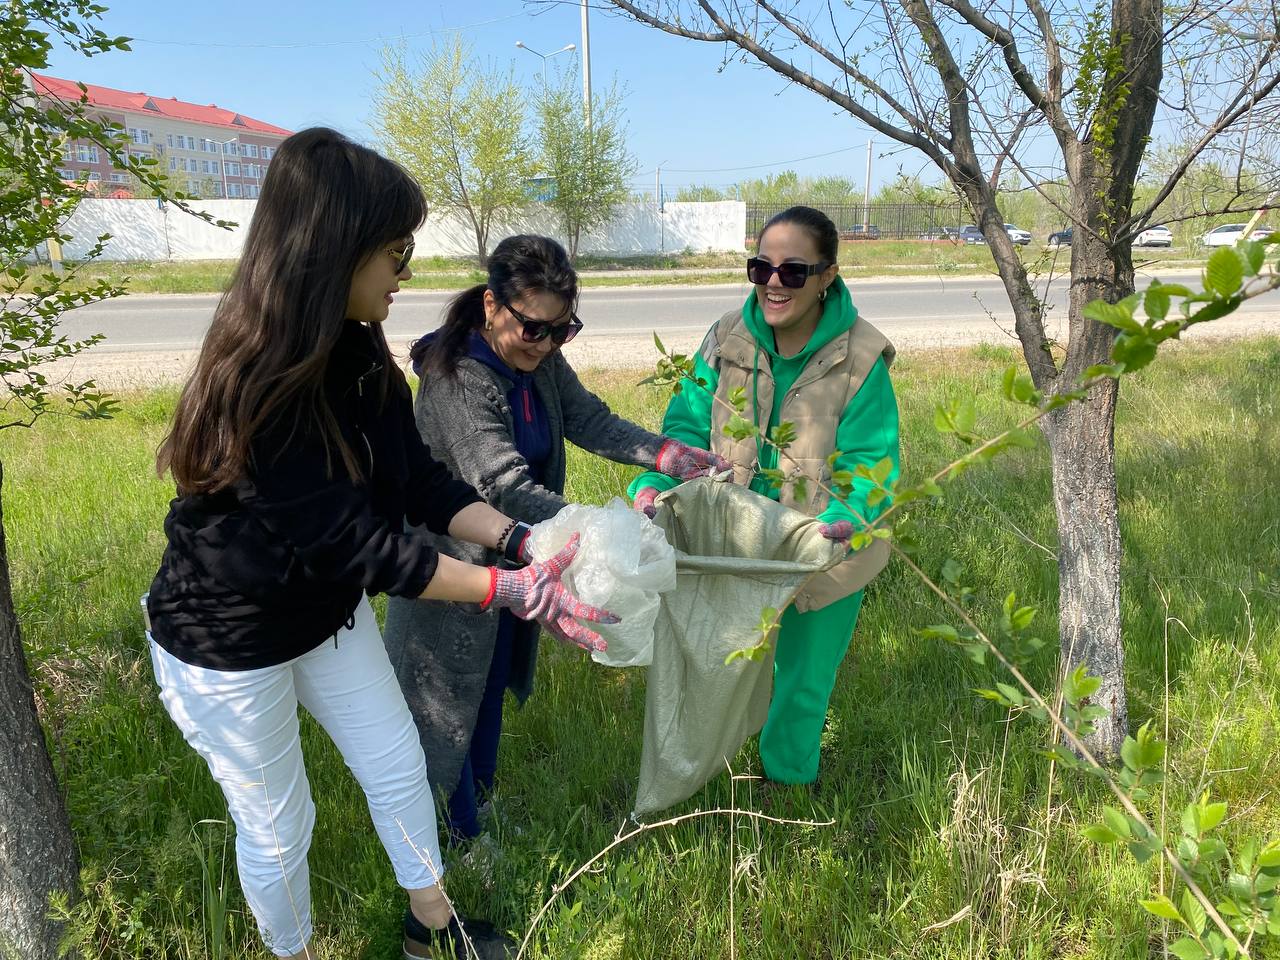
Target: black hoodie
{"type": "Point", "coordinates": [272, 566]}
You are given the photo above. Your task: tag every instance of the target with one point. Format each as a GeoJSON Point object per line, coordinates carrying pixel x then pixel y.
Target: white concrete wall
{"type": "Point", "coordinates": [140, 230]}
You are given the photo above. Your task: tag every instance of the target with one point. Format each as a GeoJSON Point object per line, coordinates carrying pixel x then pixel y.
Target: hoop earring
{"type": "Point", "coordinates": [822, 297]}
{"type": "Point", "coordinates": [488, 324]}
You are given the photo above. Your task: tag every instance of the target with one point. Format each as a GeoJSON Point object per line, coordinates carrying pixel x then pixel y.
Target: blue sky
{"type": "Point", "coordinates": [302, 63]}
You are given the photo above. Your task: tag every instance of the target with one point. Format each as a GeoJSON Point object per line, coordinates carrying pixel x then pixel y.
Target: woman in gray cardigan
{"type": "Point", "coordinates": [496, 402]}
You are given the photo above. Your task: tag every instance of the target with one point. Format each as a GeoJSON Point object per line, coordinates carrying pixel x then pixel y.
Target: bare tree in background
{"type": "Point", "coordinates": [985, 88]}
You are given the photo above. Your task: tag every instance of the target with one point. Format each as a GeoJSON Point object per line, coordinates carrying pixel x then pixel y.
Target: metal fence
{"type": "Point", "coordinates": [888, 221]}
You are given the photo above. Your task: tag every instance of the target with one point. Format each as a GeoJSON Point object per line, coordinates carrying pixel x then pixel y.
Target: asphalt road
{"type": "Point", "coordinates": [145, 323]}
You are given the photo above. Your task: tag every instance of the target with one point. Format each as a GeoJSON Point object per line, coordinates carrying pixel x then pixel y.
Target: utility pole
{"type": "Point", "coordinates": [866, 197]}
{"type": "Point", "coordinates": [586, 65]}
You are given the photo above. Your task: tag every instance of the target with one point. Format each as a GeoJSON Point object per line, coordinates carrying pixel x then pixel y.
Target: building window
{"type": "Point", "coordinates": [232, 168]}
{"type": "Point", "coordinates": [138, 135]}
{"type": "Point", "coordinates": [68, 152]}
{"type": "Point", "coordinates": [173, 163]}
{"type": "Point", "coordinates": [267, 153]}
{"type": "Point", "coordinates": [67, 174]}
{"type": "Point", "coordinates": [119, 178]}
{"type": "Point", "coordinates": [215, 167]}
{"type": "Point", "coordinates": [233, 190]}
{"type": "Point", "coordinates": [251, 191]}
{"type": "Point", "coordinates": [229, 147]}
{"type": "Point", "coordinates": [94, 175]}
{"type": "Point", "coordinates": [87, 152]}
{"type": "Point", "coordinates": [253, 150]}
{"type": "Point", "coordinates": [139, 154]}
{"type": "Point", "coordinates": [216, 188]}
{"type": "Point", "coordinates": [169, 138]}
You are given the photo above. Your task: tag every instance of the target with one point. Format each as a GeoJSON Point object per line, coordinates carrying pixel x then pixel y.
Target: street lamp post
{"type": "Point", "coordinates": [545, 57]}
{"type": "Point", "coordinates": [222, 162]}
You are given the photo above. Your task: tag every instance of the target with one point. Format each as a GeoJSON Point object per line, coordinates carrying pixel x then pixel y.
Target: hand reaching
{"type": "Point", "coordinates": [841, 531]}
{"type": "Point", "coordinates": [537, 593]}
{"type": "Point", "coordinates": [684, 462]}
{"type": "Point", "coordinates": [644, 501]}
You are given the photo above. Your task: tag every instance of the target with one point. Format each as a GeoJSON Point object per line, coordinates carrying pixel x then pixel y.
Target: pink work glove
{"type": "Point", "coordinates": [536, 592]}
{"type": "Point", "coordinates": [841, 531]}
{"type": "Point", "coordinates": [684, 462]}
{"type": "Point", "coordinates": [644, 501]}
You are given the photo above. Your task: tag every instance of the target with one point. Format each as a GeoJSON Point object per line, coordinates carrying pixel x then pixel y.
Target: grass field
{"type": "Point", "coordinates": [876, 258]}
{"type": "Point", "coordinates": [941, 807]}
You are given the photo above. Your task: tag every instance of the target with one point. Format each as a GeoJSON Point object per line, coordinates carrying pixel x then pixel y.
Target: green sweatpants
{"type": "Point", "coordinates": [810, 647]}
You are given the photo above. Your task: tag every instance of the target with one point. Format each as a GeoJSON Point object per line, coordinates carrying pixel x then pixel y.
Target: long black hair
{"type": "Point", "coordinates": [518, 265]}
{"type": "Point", "coordinates": [327, 205]}
{"type": "Point", "coordinates": [818, 225]}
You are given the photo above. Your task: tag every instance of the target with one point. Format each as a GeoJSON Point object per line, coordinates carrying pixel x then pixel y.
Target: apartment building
{"type": "Point", "coordinates": [209, 151]}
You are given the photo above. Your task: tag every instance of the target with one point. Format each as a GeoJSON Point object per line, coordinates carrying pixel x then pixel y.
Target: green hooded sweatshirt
{"type": "Point", "coordinates": [868, 428]}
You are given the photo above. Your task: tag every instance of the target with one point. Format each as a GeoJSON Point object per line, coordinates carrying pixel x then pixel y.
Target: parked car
{"type": "Point", "coordinates": [1224, 236]}
{"type": "Point", "coordinates": [1060, 239]}
{"type": "Point", "coordinates": [972, 234]}
{"type": "Point", "coordinates": [858, 232]}
{"type": "Point", "coordinates": [1159, 236]}
{"type": "Point", "coordinates": [1262, 233]}
{"type": "Point", "coordinates": [1017, 234]}
{"type": "Point", "coordinates": [936, 234]}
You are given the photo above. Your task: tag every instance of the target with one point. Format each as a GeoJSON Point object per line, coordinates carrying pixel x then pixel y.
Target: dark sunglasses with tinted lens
{"type": "Point", "coordinates": [535, 331]}
{"type": "Point", "coordinates": [790, 274]}
{"type": "Point", "coordinates": [402, 256]}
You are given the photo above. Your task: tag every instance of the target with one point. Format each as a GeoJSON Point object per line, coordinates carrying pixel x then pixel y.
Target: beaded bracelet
{"type": "Point", "coordinates": [501, 545]}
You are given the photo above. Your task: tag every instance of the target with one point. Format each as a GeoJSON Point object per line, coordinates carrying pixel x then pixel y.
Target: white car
{"type": "Point", "coordinates": [1224, 236]}
{"type": "Point", "coordinates": [1154, 237]}
{"type": "Point", "coordinates": [1017, 235]}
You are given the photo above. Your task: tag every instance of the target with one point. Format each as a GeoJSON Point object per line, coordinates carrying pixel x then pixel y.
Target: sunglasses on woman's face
{"type": "Point", "coordinates": [402, 257]}
{"type": "Point", "coordinates": [790, 274]}
{"type": "Point", "coordinates": [535, 331]}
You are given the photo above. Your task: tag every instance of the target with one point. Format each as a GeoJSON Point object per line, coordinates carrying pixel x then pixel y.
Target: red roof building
{"type": "Point", "coordinates": [218, 152]}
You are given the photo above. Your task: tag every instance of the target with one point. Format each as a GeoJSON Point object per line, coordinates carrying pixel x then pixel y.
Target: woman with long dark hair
{"type": "Point", "coordinates": [800, 353]}
{"type": "Point", "coordinates": [297, 467]}
{"type": "Point", "coordinates": [496, 403]}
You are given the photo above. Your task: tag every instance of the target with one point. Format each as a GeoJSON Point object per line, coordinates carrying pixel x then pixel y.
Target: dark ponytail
{"type": "Point", "coordinates": [518, 265]}
{"type": "Point", "coordinates": [819, 226]}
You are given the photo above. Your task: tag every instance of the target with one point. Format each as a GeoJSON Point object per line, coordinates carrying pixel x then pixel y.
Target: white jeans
{"type": "Point", "coordinates": [245, 725]}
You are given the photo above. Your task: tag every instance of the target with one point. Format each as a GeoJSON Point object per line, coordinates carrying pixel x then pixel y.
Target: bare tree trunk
{"type": "Point", "coordinates": [37, 853]}
{"type": "Point", "coordinates": [1082, 454]}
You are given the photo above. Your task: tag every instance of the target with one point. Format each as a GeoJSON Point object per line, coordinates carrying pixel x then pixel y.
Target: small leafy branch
{"type": "Point", "coordinates": [1244, 886]}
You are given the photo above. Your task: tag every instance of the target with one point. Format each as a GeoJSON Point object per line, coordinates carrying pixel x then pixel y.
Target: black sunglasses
{"type": "Point", "coordinates": [535, 331]}
{"type": "Point", "coordinates": [402, 256]}
{"type": "Point", "coordinates": [790, 274]}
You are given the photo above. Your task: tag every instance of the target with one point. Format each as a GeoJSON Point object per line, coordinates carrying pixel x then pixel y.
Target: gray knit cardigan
{"type": "Point", "coordinates": [441, 651]}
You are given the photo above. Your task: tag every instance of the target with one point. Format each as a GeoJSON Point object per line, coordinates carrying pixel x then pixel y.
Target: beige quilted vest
{"type": "Point", "coordinates": [819, 396]}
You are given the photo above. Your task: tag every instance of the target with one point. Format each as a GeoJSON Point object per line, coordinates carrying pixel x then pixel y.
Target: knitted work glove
{"type": "Point", "coordinates": [684, 462]}
{"type": "Point", "coordinates": [644, 501]}
{"type": "Point", "coordinates": [841, 531]}
{"type": "Point", "coordinates": [536, 593]}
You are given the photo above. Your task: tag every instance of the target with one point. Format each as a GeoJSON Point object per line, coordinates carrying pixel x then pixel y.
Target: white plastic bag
{"type": "Point", "coordinates": [623, 563]}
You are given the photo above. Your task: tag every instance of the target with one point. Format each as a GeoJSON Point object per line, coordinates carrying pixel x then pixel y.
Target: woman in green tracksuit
{"type": "Point", "coordinates": [799, 353]}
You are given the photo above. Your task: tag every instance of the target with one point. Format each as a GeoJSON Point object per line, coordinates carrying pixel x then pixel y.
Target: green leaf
{"type": "Point", "coordinates": [880, 472]}
{"type": "Point", "coordinates": [1117, 821]}
{"type": "Point", "coordinates": [1270, 855]}
{"type": "Point", "coordinates": [1193, 912]}
{"type": "Point", "coordinates": [1156, 302]}
{"type": "Point", "coordinates": [1135, 352]}
{"type": "Point", "coordinates": [1216, 310]}
{"type": "Point", "coordinates": [657, 342]}
{"type": "Point", "coordinates": [1211, 815]}
{"type": "Point", "coordinates": [1188, 949]}
{"type": "Point", "coordinates": [1254, 255]}
{"type": "Point", "coordinates": [941, 631]}
{"type": "Point", "coordinates": [1161, 906]}
{"type": "Point", "coordinates": [1011, 694]}
{"type": "Point", "coordinates": [1224, 272]}
{"type": "Point", "coordinates": [1112, 314]}
{"type": "Point", "coordinates": [1100, 834]}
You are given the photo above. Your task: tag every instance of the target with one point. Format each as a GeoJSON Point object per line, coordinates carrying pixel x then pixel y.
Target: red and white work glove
{"type": "Point", "coordinates": [536, 592]}
{"type": "Point", "coordinates": [841, 531]}
{"type": "Point", "coordinates": [644, 501]}
{"type": "Point", "coordinates": [684, 462]}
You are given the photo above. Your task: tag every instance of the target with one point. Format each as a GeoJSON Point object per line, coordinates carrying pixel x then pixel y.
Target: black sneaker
{"type": "Point", "coordinates": [423, 943]}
